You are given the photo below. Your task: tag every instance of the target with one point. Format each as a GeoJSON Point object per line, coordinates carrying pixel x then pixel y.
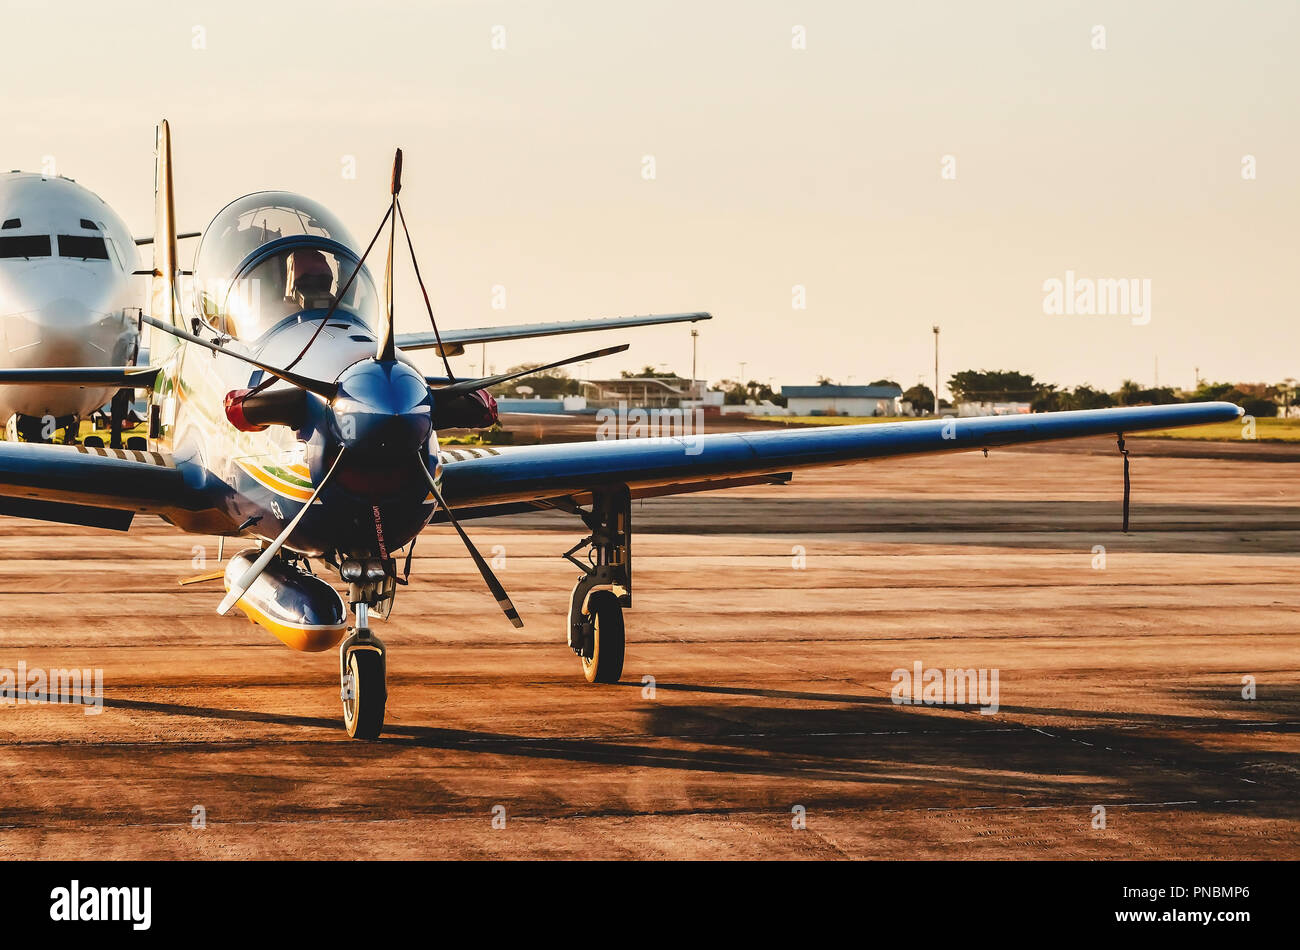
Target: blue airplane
{"type": "Point", "coordinates": [283, 408]}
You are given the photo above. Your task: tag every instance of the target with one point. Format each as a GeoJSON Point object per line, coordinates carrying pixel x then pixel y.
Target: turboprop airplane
{"type": "Point", "coordinates": [283, 409]}
{"type": "Point", "coordinates": [66, 261]}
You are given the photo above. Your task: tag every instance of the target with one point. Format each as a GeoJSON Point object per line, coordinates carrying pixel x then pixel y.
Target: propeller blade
{"type": "Point", "coordinates": [255, 571]}
{"type": "Point", "coordinates": [494, 585]}
{"type": "Point", "coordinates": [386, 351]}
{"type": "Point", "coordinates": [470, 385]}
{"type": "Point", "coordinates": [326, 391]}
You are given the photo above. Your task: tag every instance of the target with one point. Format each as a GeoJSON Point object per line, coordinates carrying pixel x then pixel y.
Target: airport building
{"type": "Point", "coordinates": [647, 392]}
{"type": "Point", "coordinates": [843, 400]}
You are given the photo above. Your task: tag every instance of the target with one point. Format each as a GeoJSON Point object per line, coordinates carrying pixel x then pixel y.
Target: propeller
{"type": "Point", "coordinates": [255, 570]}
{"type": "Point", "coordinates": [494, 585]}
{"type": "Point", "coordinates": [389, 404]}
{"type": "Point", "coordinates": [485, 382]}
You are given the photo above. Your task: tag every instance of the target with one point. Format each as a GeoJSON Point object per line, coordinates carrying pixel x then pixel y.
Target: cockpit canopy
{"type": "Point", "coordinates": [271, 255]}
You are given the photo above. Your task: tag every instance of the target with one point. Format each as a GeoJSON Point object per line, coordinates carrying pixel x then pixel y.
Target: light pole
{"type": "Point", "coordinates": [936, 370]}
{"type": "Point", "coordinates": [695, 342]}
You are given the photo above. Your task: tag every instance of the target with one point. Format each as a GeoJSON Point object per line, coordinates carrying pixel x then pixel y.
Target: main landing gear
{"type": "Point", "coordinates": [363, 663]}
{"type": "Point", "coordinates": [596, 630]}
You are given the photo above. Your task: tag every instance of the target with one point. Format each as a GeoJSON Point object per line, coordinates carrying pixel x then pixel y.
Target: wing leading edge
{"type": "Point", "coordinates": [455, 341]}
{"type": "Point", "coordinates": [101, 487]}
{"type": "Point", "coordinates": [693, 463]}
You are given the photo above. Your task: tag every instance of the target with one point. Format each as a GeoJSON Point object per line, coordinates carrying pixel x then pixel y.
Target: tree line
{"type": "Point", "coordinates": [1258, 399]}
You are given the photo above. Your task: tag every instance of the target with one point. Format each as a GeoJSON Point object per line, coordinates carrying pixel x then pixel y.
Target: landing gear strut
{"type": "Point", "coordinates": [363, 659]}
{"type": "Point", "coordinates": [596, 630]}
{"type": "Point", "coordinates": [120, 405]}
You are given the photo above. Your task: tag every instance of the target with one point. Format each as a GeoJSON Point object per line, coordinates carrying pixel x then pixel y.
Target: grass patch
{"type": "Point", "coordinates": [1266, 430]}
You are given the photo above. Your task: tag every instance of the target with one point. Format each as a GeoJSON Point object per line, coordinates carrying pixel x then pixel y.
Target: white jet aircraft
{"type": "Point", "coordinates": [66, 300]}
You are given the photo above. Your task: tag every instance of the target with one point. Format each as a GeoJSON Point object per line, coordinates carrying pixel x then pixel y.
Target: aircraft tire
{"type": "Point", "coordinates": [605, 665]}
{"type": "Point", "coordinates": [363, 715]}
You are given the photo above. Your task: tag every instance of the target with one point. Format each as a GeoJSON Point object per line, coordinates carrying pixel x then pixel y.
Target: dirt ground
{"type": "Point", "coordinates": [755, 717]}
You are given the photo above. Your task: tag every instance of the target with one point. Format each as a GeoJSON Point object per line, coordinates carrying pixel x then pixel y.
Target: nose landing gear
{"type": "Point", "coordinates": [363, 659]}
{"type": "Point", "coordinates": [363, 686]}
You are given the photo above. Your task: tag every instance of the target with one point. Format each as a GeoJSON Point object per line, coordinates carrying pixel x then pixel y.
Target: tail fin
{"type": "Point", "coordinates": [165, 292]}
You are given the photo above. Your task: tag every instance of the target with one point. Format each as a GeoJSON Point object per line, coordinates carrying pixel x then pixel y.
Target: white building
{"type": "Point", "coordinates": [992, 408]}
{"type": "Point", "coordinates": [843, 400]}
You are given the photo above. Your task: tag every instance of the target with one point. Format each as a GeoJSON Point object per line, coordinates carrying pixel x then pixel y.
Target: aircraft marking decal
{"type": "Point", "coordinates": [284, 480]}
{"type": "Point", "coordinates": [129, 455]}
{"type": "Point", "coordinates": [460, 454]}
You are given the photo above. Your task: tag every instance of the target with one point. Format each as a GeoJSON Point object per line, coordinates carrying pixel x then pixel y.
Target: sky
{"type": "Point", "coordinates": [830, 179]}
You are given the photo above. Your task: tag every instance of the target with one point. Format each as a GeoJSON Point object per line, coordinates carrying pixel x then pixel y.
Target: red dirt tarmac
{"type": "Point", "coordinates": [770, 621]}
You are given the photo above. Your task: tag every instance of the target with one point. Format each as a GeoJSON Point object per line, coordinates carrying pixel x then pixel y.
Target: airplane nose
{"type": "Point", "coordinates": [383, 409]}
{"type": "Point", "coordinates": [64, 298]}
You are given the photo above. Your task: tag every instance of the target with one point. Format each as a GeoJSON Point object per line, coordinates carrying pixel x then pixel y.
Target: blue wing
{"type": "Point", "coordinates": [101, 487]}
{"type": "Point", "coordinates": [498, 481]}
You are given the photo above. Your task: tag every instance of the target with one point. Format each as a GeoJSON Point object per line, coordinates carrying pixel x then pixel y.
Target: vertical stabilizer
{"type": "Point", "coordinates": [164, 298]}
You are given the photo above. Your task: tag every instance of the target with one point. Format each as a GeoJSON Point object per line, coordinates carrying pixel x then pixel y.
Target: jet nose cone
{"type": "Point", "coordinates": [383, 408]}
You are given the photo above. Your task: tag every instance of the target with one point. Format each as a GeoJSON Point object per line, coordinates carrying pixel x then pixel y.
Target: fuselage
{"type": "Point", "coordinates": [66, 299]}
{"type": "Point", "coordinates": [265, 477]}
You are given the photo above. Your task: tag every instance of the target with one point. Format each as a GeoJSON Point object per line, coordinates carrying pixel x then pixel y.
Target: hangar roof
{"type": "Point", "coordinates": [841, 392]}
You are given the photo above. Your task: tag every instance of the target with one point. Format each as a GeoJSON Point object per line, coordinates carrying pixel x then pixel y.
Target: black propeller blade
{"type": "Point", "coordinates": [386, 351]}
{"type": "Point", "coordinates": [470, 385]}
{"type": "Point", "coordinates": [326, 391]}
{"type": "Point", "coordinates": [494, 585]}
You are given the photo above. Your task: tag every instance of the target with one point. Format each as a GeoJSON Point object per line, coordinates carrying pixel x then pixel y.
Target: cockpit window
{"type": "Point", "coordinates": [84, 247]}
{"type": "Point", "coordinates": [307, 272]}
{"type": "Point", "coordinates": [296, 280]}
{"type": "Point", "coordinates": [246, 224]}
{"type": "Point", "coordinates": [89, 225]}
{"type": "Point", "coordinates": [25, 245]}
{"type": "Point", "coordinates": [11, 223]}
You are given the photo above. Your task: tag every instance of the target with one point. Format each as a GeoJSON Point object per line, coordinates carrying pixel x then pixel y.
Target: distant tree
{"type": "Point", "coordinates": [992, 386]}
{"type": "Point", "coordinates": [884, 382]}
{"type": "Point", "coordinates": [648, 372]}
{"type": "Point", "coordinates": [1132, 394]}
{"type": "Point", "coordinates": [734, 394]}
{"type": "Point", "coordinates": [1210, 392]}
{"type": "Point", "coordinates": [1085, 397]}
{"type": "Point", "coordinates": [921, 397]}
{"type": "Point", "coordinates": [548, 384]}
{"type": "Point", "coordinates": [826, 381]}
{"type": "Point", "coordinates": [1047, 398]}
{"type": "Point", "coordinates": [1258, 399]}
{"type": "Point", "coordinates": [737, 394]}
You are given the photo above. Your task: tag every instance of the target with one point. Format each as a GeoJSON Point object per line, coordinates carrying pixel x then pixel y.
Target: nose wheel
{"type": "Point", "coordinates": [363, 680]}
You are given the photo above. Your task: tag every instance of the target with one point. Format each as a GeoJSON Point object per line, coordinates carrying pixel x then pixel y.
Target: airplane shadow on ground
{"type": "Point", "coordinates": [853, 752]}
{"type": "Point", "coordinates": [1165, 528]}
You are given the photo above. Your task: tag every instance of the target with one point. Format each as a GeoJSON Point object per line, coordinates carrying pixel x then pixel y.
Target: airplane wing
{"type": "Point", "coordinates": [489, 481]}
{"type": "Point", "coordinates": [102, 488]}
{"type": "Point", "coordinates": [455, 341]}
{"type": "Point", "coordinates": [123, 377]}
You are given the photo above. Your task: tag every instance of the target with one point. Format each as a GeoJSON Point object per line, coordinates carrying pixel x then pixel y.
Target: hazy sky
{"type": "Point", "coordinates": [774, 166]}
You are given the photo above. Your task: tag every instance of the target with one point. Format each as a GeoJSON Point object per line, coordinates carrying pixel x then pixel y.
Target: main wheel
{"type": "Point", "coordinates": [365, 696]}
{"type": "Point", "coordinates": [602, 659]}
